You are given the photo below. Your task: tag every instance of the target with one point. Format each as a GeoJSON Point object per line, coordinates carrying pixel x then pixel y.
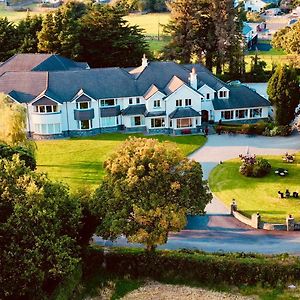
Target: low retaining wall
{"type": "Point", "coordinates": [255, 221]}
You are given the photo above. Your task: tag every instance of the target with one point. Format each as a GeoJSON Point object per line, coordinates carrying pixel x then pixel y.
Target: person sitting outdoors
{"type": "Point", "coordinates": [280, 195]}
{"type": "Point", "coordinates": [287, 193]}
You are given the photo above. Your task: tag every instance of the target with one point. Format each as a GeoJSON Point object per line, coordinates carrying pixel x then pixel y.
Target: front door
{"type": "Point", "coordinates": [204, 116]}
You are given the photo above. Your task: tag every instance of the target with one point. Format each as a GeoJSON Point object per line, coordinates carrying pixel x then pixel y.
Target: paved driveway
{"type": "Point", "coordinates": [218, 230]}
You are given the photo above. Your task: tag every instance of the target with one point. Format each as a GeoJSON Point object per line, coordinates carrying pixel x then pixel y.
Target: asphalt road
{"type": "Point", "coordinates": [218, 230]}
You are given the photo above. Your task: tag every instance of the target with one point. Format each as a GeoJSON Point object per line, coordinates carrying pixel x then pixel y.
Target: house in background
{"type": "Point", "coordinates": [67, 98]}
{"type": "Point", "coordinates": [258, 5]}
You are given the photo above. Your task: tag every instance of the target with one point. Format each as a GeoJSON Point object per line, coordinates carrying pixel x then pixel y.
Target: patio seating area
{"type": "Point", "coordinates": [287, 194]}
{"type": "Point", "coordinates": [281, 172]}
{"type": "Point", "coordinates": [289, 158]}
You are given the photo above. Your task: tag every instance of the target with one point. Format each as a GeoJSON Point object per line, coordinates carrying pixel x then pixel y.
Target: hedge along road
{"type": "Point", "coordinates": [218, 230]}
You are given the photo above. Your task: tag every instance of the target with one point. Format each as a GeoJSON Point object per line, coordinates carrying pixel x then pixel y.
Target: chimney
{"type": "Point", "coordinates": [144, 61]}
{"type": "Point", "coordinates": [193, 79]}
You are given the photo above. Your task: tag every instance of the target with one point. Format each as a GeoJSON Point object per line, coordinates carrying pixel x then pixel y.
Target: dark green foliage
{"type": "Point", "coordinates": [284, 94]}
{"type": "Point", "coordinates": [254, 167]}
{"type": "Point", "coordinates": [26, 155]}
{"type": "Point", "coordinates": [257, 71]}
{"type": "Point", "coordinates": [8, 39]}
{"type": "Point", "coordinates": [39, 225]}
{"type": "Point", "coordinates": [282, 130]}
{"type": "Point", "coordinates": [141, 5]}
{"type": "Point", "coordinates": [107, 40]}
{"type": "Point", "coordinates": [197, 267]}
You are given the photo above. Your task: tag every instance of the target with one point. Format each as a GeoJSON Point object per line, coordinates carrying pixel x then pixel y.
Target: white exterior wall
{"type": "Point", "coordinates": [254, 5]}
{"type": "Point", "coordinates": [205, 89]}
{"type": "Point", "coordinates": [183, 93]}
{"type": "Point", "coordinates": [150, 102]}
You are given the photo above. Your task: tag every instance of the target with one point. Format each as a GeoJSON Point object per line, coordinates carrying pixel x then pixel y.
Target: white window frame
{"type": "Point", "coordinates": [54, 109]}
{"type": "Point", "coordinates": [38, 128]}
{"type": "Point", "coordinates": [132, 121]}
{"type": "Point", "coordinates": [179, 126]}
{"type": "Point", "coordinates": [162, 121]}
{"type": "Point", "coordinates": [103, 101]}
{"type": "Point", "coordinates": [257, 116]}
{"type": "Point", "coordinates": [231, 112]}
{"type": "Point", "coordinates": [78, 105]}
{"type": "Point", "coordinates": [110, 125]}
{"type": "Point", "coordinates": [179, 103]}
{"type": "Point", "coordinates": [188, 102]}
{"type": "Point", "coordinates": [237, 114]}
{"type": "Point", "coordinates": [79, 124]}
{"type": "Point", "coordinates": [156, 104]}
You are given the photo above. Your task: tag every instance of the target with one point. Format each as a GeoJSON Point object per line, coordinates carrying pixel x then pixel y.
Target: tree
{"type": "Point", "coordinates": [61, 30]}
{"type": "Point", "coordinates": [107, 39]}
{"type": "Point", "coordinates": [283, 91]}
{"type": "Point", "coordinates": [27, 31]}
{"type": "Point", "coordinates": [257, 69]}
{"type": "Point", "coordinates": [288, 39]}
{"type": "Point", "coordinates": [148, 191]}
{"type": "Point", "coordinates": [39, 224]}
{"type": "Point", "coordinates": [8, 39]}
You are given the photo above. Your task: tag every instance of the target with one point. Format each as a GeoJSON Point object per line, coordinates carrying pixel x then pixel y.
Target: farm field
{"type": "Point", "coordinates": [79, 161]}
{"type": "Point", "coordinates": [258, 194]}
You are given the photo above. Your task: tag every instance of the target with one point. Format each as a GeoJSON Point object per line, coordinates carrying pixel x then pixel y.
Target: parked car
{"type": "Point", "coordinates": [293, 21]}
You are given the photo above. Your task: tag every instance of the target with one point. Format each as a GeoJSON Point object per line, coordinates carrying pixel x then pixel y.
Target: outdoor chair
{"type": "Point", "coordinates": [295, 195]}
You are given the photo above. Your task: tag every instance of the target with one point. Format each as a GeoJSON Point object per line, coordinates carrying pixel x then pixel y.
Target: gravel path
{"type": "Point", "coordinates": [157, 291]}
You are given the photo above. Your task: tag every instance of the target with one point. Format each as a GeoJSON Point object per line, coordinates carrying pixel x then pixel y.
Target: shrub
{"type": "Point", "coordinates": [254, 167]}
{"type": "Point", "coordinates": [196, 267]}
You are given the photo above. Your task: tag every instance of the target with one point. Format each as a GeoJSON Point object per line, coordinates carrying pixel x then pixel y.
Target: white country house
{"type": "Point", "coordinates": [258, 5]}
{"type": "Point", "coordinates": [67, 98]}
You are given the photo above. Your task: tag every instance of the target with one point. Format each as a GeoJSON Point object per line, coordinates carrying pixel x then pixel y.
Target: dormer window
{"type": "Point", "coordinates": [223, 94]}
{"type": "Point", "coordinates": [83, 105]}
{"type": "Point", "coordinates": [44, 109]}
{"type": "Point", "coordinates": [108, 102]}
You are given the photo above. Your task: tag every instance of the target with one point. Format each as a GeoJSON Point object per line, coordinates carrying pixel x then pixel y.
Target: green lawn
{"type": "Point", "coordinates": [258, 194]}
{"type": "Point", "coordinates": [79, 161]}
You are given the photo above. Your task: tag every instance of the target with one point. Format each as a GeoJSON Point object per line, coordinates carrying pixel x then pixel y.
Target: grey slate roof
{"type": "Point", "coordinates": [183, 112]}
{"type": "Point", "coordinates": [39, 62]}
{"type": "Point", "coordinates": [131, 110]}
{"type": "Point", "coordinates": [155, 114]}
{"type": "Point", "coordinates": [240, 97]}
{"type": "Point", "coordinates": [110, 111]}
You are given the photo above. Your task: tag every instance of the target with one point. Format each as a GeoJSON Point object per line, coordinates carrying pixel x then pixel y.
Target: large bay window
{"type": "Point", "coordinates": [255, 112]}
{"type": "Point", "coordinates": [83, 105]}
{"type": "Point", "coordinates": [47, 128]}
{"type": "Point", "coordinates": [184, 123]}
{"type": "Point", "coordinates": [109, 121]}
{"type": "Point", "coordinates": [158, 122]}
{"type": "Point", "coordinates": [137, 121]}
{"type": "Point", "coordinates": [241, 113]}
{"type": "Point", "coordinates": [107, 102]}
{"type": "Point", "coordinates": [227, 115]}
{"type": "Point", "coordinates": [45, 109]}
{"type": "Point", "coordinates": [85, 124]}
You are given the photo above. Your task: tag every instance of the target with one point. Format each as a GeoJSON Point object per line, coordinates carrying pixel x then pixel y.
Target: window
{"type": "Point", "coordinates": [46, 109]}
{"type": "Point", "coordinates": [179, 102]}
{"type": "Point", "coordinates": [221, 94]}
{"type": "Point", "coordinates": [130, 101]}
{"type": "Point", "coordinates": [85, 124]}
{"type": "Point", "coordinates": [83, 105]}
{"type": "Point", "coordinates": [207, 96]}
{"type": "Point", "coordinates": [184, 123]}
{"type": "Point", "coordinates": [241, 114]}
{"type": "Point", "coordinates": [47, 128]}
{"type": "Point", "coordinates": [171, 123]}
{"type": "Point", "coordinates": [255, 112]}
{"type": "Point", "coordinates": [157, 122]}
{"type": "Point", "coordinates": [156, 103]}
{"type": "Point", "coordinates": [188, 102]}
{"type": "Point", "coordinates": [224, 94]}
{"type": "Point", "coordinates": [227, 115]}
{"type": "Point", "coordinates": [137, 121]}
{"type": "Point", "coordinates": [137, 100]}
{"type": "Point", "coordinates": [108, 102]}
{"type": "Point", "coordinates": [108, 121]}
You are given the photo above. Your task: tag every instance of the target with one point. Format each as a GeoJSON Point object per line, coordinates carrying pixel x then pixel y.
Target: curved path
{"type": "Point", "coordinates": [218, 230]}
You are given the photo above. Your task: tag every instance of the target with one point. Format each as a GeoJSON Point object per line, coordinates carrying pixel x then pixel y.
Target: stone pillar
{"type": "Point", "coordinates": [290, 223]}
{"type": "Point", "coordinates": [233, 206]}
{"type": "Point", "coordinates": [255, 220]}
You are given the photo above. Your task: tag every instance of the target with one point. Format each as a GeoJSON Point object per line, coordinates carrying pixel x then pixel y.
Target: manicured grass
{"type": "Point", "coordinates": [79, 161]}
{"type": "Point", "coordinates": [258, 194]}
{"type": "Point", "coordinates": [156, 46]}
{"type": "Point", "coordinates": [151, 23]}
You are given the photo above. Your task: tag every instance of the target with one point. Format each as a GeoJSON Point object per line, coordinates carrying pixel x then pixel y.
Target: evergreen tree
{"type": "Point", "coordinates": [284, 94]}
{"type": "Point", "coordinates": [27, 30]}
{"type": "Point", "coordinates": [8, 39]}
{"type": "Point", "coordinates": [107, 39]}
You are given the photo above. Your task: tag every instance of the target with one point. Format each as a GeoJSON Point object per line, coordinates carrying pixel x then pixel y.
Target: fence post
{"type": "Point", "coordinates": [290, 223]}
{"type": "Point", "coordinates": [233, 206]}
{"type": "Point", "coordinates": [255, 220]}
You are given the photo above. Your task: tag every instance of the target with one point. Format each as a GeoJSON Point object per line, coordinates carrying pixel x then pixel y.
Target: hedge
{"type": "Point", "coordinates": [195, 267]}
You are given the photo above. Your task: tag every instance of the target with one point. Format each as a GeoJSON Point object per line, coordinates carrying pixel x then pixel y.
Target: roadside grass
{"type": "Point", "coordinates": [79, 161]}
{"type": "Point", "coordinates": [156, 46]}
{"type": "Point", "coordinates": [258, 194]}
